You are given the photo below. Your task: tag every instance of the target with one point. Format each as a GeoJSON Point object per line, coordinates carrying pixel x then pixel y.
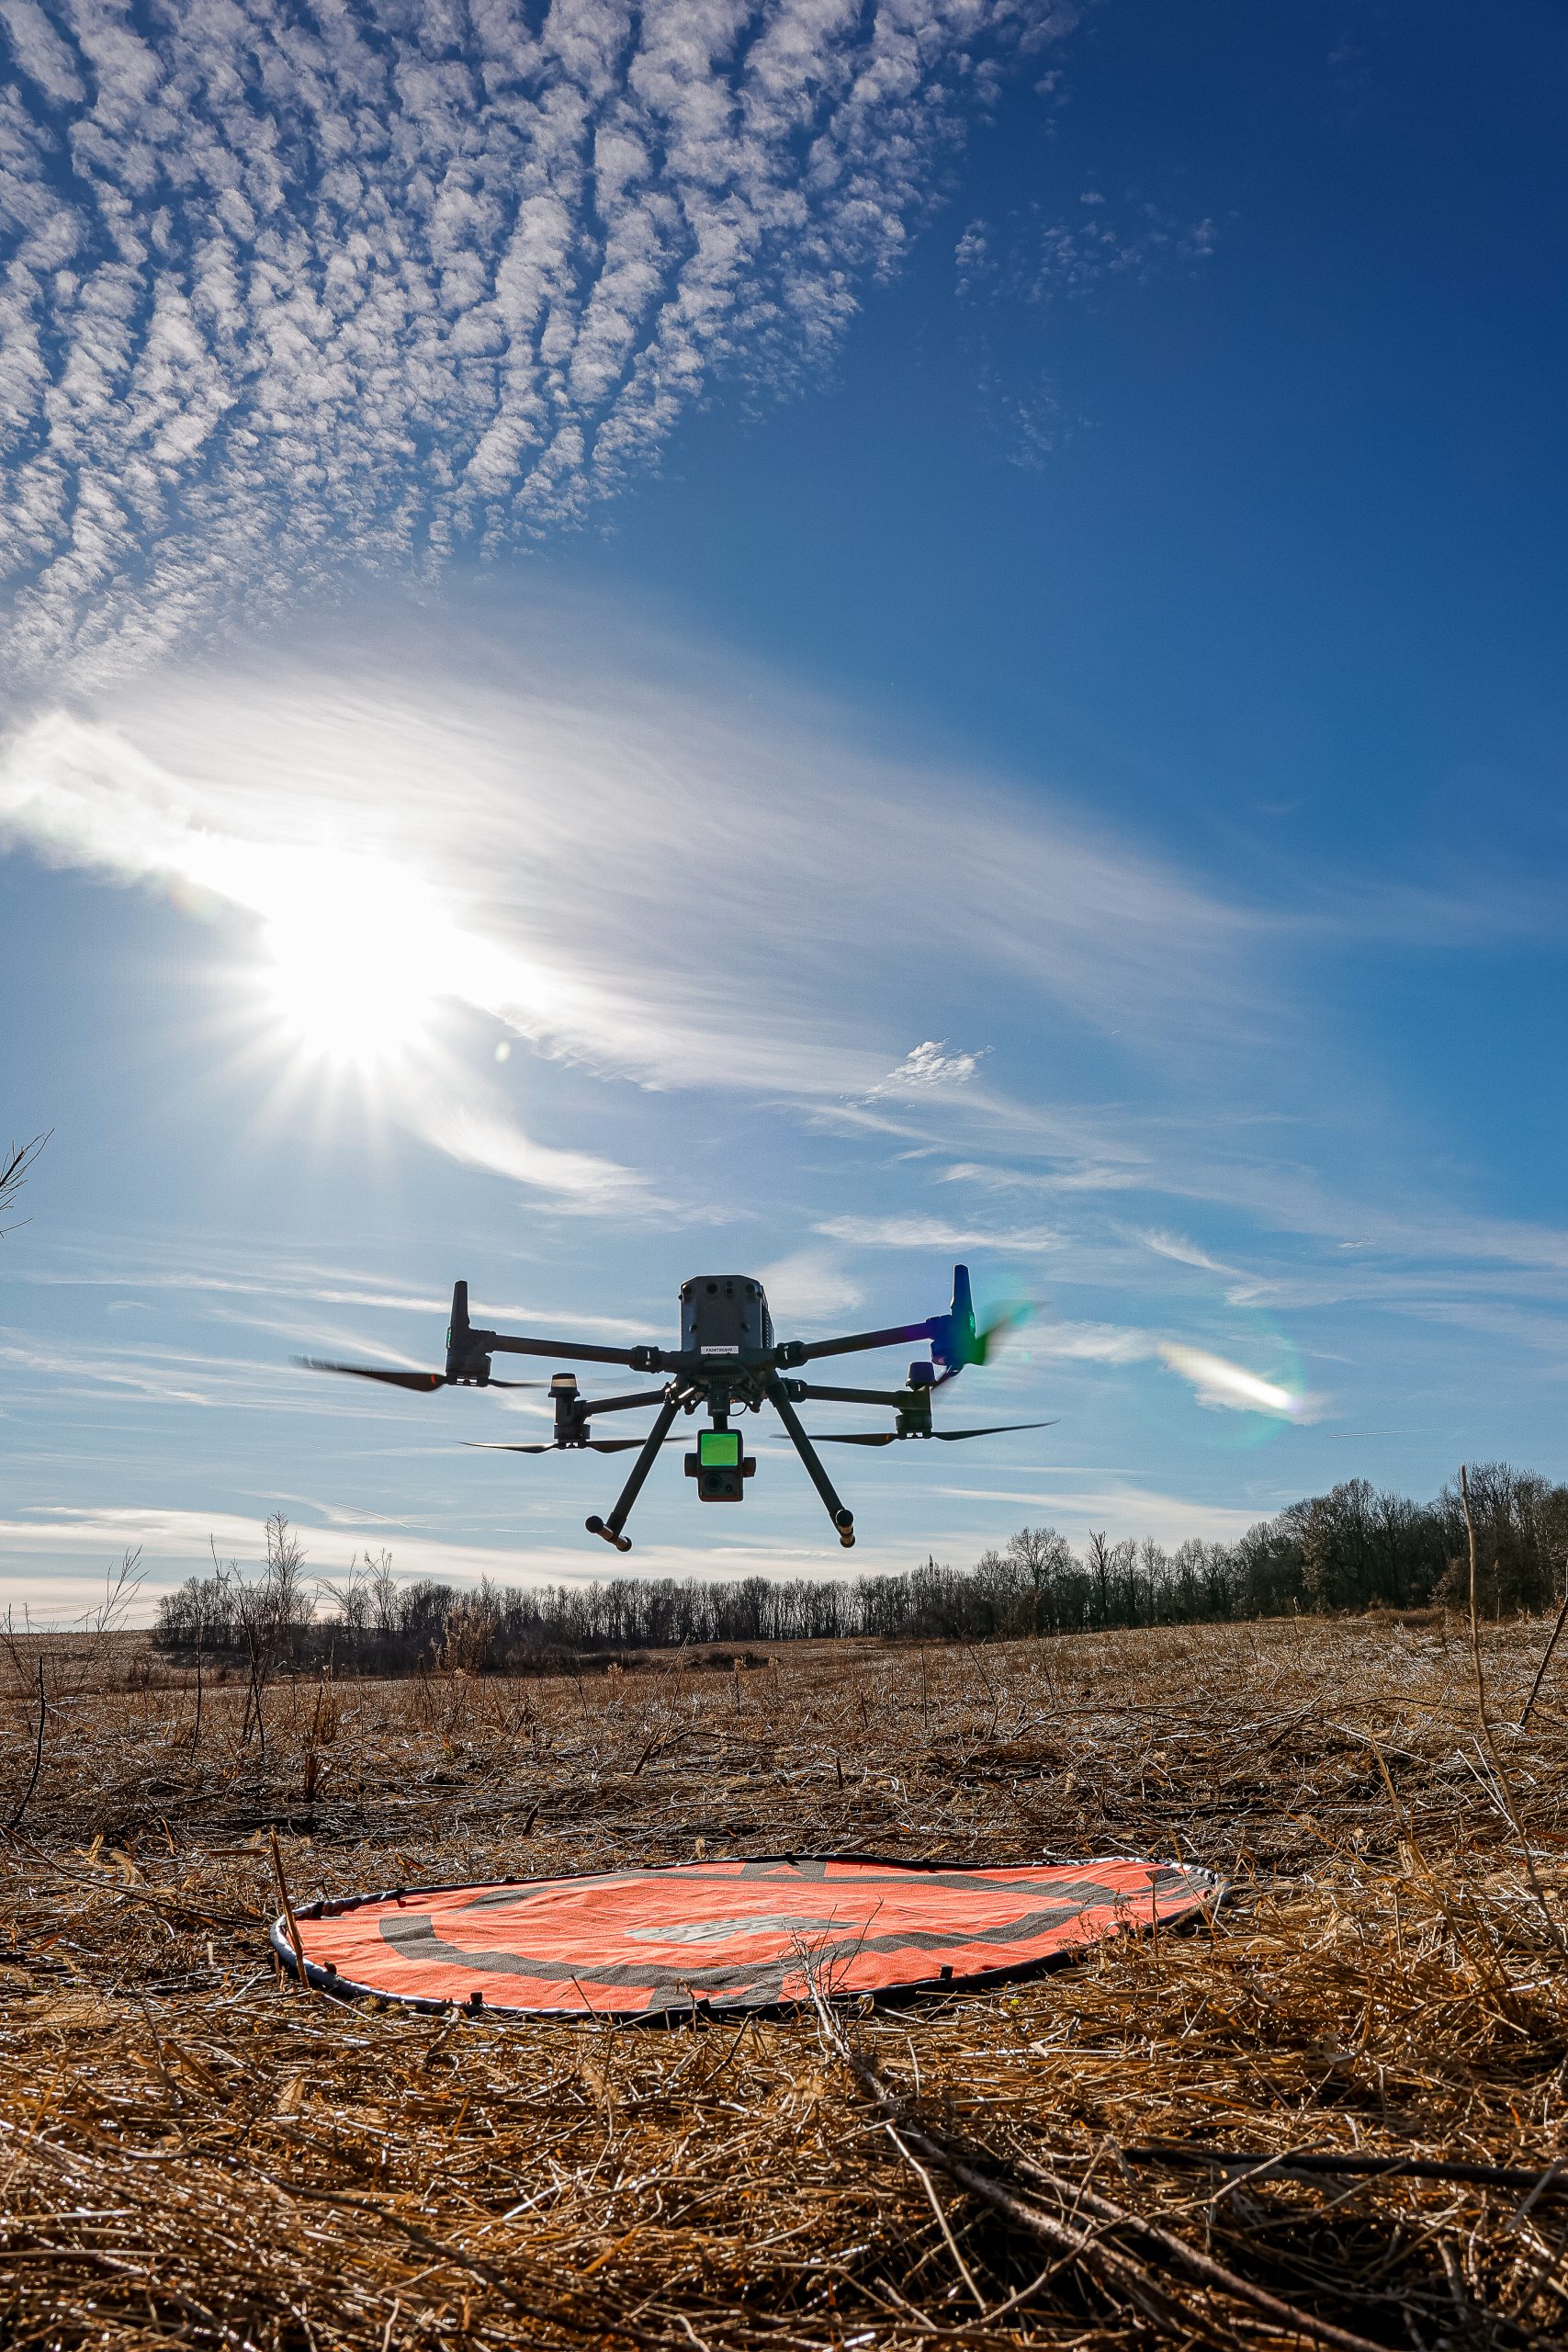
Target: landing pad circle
{"type": "Point", "coordinates": [727, 1936]}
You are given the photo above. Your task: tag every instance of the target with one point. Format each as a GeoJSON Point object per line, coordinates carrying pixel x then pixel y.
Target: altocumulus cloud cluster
{"type": "Point", "coordinates": [296, 284]}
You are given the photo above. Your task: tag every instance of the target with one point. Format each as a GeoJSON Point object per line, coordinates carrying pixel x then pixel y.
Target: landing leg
{"type": "Point", "coordinates": [610, 1529]}
{"type": "Point", "coordinates": [844, 1520]}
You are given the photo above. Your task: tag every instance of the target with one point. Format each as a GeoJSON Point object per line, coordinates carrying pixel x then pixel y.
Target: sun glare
{"type": "Point", "coordinates": [348, 942]}
{"type": "Point", "coordinates": [1220, 1383]}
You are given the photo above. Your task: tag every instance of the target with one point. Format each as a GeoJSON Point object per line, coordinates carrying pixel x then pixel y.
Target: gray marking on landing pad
{"type": "Point", "coordinates": [416, 1937]}
{"type": "Point", "coordinates": [719, 1931]}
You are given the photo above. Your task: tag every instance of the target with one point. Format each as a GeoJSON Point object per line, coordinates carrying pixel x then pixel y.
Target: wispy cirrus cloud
{"type": "Point", "coordinates": [494, 821]}
{"type": "Point", "coordinates": [811, 1286]}
{"type": "Point", "coordinates": [299, 287]}
{"type": "Point", "coordinates": [1127, 1510]}
{"type": "Point", "coordinates": [291, 1279]}
{"type": "Point", "coordinates": [458, 821]}
{"type": "Point", "coordinates": [1092, 1342]}
{"type": "Point", "coordinates": [936, 1233]}
{"type": "Point", "coordinates": [1177, 1247]}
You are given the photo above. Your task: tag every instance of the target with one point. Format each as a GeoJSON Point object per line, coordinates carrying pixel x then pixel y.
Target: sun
{"type": "Point", "coordinates": [348, 976]}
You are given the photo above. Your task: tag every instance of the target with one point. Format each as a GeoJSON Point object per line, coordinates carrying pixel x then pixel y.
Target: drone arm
{"type": "Point", "coordinates": [802, 1350]}
{"type": "Point", "coordinates": [954, 1340]}
{"type": "Point", "coordinates": [842, 1520]}
{"type": "Point", "coordinates": [468, 1349]}
{"type": "Point", "coordinates": [895, 1397]}
{"type": "Point", "coordinates": [610, 1529]}
{"type": "Point", "coordinates": [591, 1405]}
{"type": "Point", "coordinates": [503, 1343]}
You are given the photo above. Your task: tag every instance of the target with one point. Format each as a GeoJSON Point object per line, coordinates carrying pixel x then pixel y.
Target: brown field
{"type": "Point", "coordinates": [195, 2152]}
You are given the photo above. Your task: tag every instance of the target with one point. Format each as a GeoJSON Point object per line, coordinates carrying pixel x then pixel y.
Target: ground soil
{"type": "Point", "coordinates": [194, 2150]}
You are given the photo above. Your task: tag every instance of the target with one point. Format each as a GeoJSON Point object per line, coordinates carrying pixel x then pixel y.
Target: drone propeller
{"type": "Point", "coordinates": [424, 1384]}
{"type": "Point", "coordinates": [892, 1437]}
{"type": "Point", "coordinates": [977, 1346]}
{"type": "Point", "coordinates": [592, 1444]}
{"type": "Point", "coordinates": [957, 1341]}
{"type": "Point", "coordinates": [992, 1334]}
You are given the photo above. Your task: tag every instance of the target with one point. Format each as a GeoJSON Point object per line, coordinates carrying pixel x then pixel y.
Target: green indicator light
{"type": "Point", "coordinates": [719, 1448]}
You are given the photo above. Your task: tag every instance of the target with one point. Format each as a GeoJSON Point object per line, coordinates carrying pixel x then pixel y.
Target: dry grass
{"type": "Point", "coordinates": [192, 2151]}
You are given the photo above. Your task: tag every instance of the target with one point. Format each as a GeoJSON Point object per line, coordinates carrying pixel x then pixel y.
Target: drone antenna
{"type": "Point", "coordinates": [458, 1334]}
{"type": "Point", "coordinates": [963, 1309]}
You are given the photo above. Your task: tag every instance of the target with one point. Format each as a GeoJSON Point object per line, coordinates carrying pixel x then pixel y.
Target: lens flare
{"type": "Point", "coordinates": [1218, 1382]}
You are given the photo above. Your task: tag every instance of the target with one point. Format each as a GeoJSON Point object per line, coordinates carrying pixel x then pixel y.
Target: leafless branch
{"type": "Point", "coordinates": [13, 1174]}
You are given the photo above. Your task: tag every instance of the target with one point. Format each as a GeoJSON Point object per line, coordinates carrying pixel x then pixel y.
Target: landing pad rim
{"type": "Point", "coordinates": [1210, 1889]}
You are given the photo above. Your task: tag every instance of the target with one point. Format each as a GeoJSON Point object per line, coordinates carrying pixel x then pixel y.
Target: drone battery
{"type": "Point", "coordinates": [723, 1315]}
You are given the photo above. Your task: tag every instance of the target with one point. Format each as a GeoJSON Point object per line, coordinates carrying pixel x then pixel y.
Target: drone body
{"type": "Point", "coordinates": [727, 1363]}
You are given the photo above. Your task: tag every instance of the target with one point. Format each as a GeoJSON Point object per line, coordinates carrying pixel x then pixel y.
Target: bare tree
{"type": "Point", "coordinates": [271, 1610]}
{"type": "Point", "coordinates": [353, 1600]}
{"type": "Point", "coordinates": [284, 1577]}
{"type": "Point", "coordinates": [1101, 1568]}
{"type": "Point", "coordinates": [1041, 1558]}
{"type": "Point", "coordinates": [383, 1591]}
{"type": "Point", "coordinates": [16, 1655]}
{"type": "Point", "coordinates": [122, 1586]}
{"type": "Point", "coordinates": [470, 1629]}
{"type": "Point", "coordinates": [13, 1170]}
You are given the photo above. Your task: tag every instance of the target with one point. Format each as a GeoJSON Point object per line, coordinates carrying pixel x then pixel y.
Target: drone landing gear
{"type": "Point", "coordinates": [610, 1529]}
{"type": "Point", "coordinates": [844, 1520]}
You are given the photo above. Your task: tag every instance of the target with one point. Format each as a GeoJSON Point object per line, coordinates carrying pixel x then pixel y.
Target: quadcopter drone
{"type": "Point", "coordinates": [727, 1363]}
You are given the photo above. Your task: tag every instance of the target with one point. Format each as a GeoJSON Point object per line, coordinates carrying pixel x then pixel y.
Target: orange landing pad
{"type": "Point", "coordinates": [728, 1935]}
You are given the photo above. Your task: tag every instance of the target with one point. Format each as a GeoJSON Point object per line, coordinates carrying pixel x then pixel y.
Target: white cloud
{"type": "Point", "coordinates": [1122, 1511]}
{"type": "Point", "coordinates": [297, 287]}
{"type": "Point", "coordinates": [1075, 1175]}
{"type": "Point", "coordinates": [482, 1137]}
{"type": "Point", "coordinates": [930, 1065]}
{"type": "Point", "coordinates": [316, 1287]}
{"type": "Point", "coordinates": [41, 53]}
{"type": "Point", "coordinates": [492, 818]}
{"type": "Point", "coordinates": [514, 814]}
{"type": "Point", "coordinates": [810, 1287]}
{"type": "Point", "coordinates": [167, 1377]}
{"type": "Point", "coordinates": [931, 1233]}
{"type": "Point", "coordinates": [1092, 1342]}
{"type": "Point", "coordinates": [1186, 1253]}
{"type": "Point", "coordinates": [1025, 261]}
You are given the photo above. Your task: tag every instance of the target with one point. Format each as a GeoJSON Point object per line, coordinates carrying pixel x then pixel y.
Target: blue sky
{"type": "Point", "coordinates": [803, 641]}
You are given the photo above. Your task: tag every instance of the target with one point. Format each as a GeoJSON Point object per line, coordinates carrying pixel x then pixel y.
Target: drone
{"type": "Point", "coordinates": [727, 1363]}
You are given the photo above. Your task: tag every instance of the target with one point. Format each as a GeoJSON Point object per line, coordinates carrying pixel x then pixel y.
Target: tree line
{"type": "Point", "coordinates": [1353, 1548]}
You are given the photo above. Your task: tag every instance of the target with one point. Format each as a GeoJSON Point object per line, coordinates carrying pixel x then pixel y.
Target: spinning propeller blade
{"type": "Point", "coordinates": [424, 1382]}
{"type": "Point", "coordinates": [594, 1445]}
{"type": "Point", "coordinates": [477, 1446]}
{"type": "Point", "coordinates": [629, 1444]}
{"type": "Point", "coordinates": [999, 1430]}
{"type": "Point", "coordinates": [992, 1334]}
{"type": "Point", "coordinates": [958, 1342]}
{"type": "Point", "coordinates": [891, 1437]}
